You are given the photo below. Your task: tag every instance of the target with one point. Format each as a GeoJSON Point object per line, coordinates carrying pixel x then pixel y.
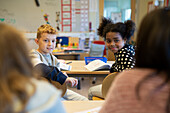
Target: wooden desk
{"type": "Point", "coordinates": [79, 106]}
{"type": "Point", "coordinates": [78, 70]}
{"type": "Point", "coordinates": [67, 56]}
{"type": "Point", "coordinates": [71, 56]}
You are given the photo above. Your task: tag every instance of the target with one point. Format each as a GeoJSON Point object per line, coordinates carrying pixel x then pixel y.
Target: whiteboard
{"type": "Point", "coordinates": [26, 15]}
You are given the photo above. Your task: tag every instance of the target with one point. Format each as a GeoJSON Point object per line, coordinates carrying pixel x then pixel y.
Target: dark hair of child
{"type": "Point", "coordinates": [125, 29]}
{"type": "Point", "coordinates": [153, 47]}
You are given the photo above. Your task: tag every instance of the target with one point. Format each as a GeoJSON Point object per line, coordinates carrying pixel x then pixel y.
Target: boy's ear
{"type": "Point", "coordinates": [36, 41]}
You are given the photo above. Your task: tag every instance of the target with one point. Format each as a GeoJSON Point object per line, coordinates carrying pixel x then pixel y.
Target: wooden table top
{"type": "Point", "coordinates": [80, 106]}
{"type": "Point", "coordinates": [62, 53]}
{"type": "Point", "coordinates": [78, 68]}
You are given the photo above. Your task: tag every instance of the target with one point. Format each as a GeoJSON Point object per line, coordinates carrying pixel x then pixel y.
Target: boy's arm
{"type": "Point", "coordinates": [49, 72]}
{"type": "Point", "coordinates": [35, 57]}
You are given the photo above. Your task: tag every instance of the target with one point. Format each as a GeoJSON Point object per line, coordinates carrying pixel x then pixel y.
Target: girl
{"type": "Point", "coordinates": [19, 90]}
{"type": "Point", "coordinates": [116, 37]}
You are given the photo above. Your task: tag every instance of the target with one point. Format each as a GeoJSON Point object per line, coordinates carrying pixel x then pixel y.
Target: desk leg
{"type": "Point", "coordinates": [79, 85]}
{"type": "Point", "coordinates": [78, 57]}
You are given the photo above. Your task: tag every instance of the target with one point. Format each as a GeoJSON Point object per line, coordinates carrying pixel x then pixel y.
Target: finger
{"type": "Point", "coordinates": [72, 82]}
{"type": "Point", "coordinates": [76, 82]}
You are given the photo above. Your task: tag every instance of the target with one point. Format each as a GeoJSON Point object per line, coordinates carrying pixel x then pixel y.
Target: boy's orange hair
{"type": "Point", "coordinates": [46, 28]}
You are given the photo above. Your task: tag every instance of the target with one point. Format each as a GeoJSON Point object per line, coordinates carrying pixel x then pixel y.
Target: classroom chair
{"type": "Point", "coordinates": [97, 49]}
{"type": "Point", "coordinates": [107, 82]}
{"type": "Point", "coordinates": [106, 85]}
{"type": "Point", "coordinates": [101, 43]}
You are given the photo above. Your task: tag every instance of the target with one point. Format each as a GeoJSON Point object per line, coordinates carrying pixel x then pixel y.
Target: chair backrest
{"type": "Point", "coordinates": [107, 83]}
{"type": "Point", "coordinates": [96, 50]}
{"type": "Point", "coordinates": [101, 43]}
{"type": "Point", "coordinates": [57, 85]}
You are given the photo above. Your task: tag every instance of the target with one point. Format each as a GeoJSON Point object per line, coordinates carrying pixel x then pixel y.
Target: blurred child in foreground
{"type": "Point", "coordinates": [146, 88]}
{"type": "Point", "coordinates": [19, 90]}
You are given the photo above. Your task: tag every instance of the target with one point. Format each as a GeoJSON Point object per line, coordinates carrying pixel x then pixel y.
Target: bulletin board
{"type": "Point", "coordinates": [80, 15]}
{"type": "Point", "coordinates": [75, 15]}
{"type": "Point", "coordinates": [27, 15]}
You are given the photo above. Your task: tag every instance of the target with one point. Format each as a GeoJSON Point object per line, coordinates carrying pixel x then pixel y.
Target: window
{"type": "Point", "coordinates": [117, 10]}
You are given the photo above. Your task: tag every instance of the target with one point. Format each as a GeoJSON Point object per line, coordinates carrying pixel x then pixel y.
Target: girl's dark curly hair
{"type": "Point", "coordinates": [125, 29]}
{"type": "Point", "coordinates": [103, 24]}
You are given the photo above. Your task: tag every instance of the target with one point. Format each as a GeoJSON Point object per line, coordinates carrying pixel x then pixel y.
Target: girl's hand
{"type": "Point", "coordinates": [72, 81]}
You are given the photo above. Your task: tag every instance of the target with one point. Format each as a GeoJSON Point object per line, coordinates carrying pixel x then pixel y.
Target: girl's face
{"type": "Point", "coordinates": [114, 41]}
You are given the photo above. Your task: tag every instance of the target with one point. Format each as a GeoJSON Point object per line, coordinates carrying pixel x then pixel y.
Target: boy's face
{"type": "Point", "coordinates": [46, 43]}
{"type": "Point", "coordinates": [114, 41]}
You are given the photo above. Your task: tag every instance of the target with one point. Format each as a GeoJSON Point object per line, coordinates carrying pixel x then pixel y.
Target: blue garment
{"type": "Point", "coordinates": [46, 99]}
{"type": "Point", "coordinates": [50, 73]}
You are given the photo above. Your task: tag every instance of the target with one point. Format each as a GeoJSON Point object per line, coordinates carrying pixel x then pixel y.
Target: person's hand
{"type": "Point", "coordinates": [72, 81]}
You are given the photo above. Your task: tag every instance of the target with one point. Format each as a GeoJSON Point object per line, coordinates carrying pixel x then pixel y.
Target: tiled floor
{"type": "Point", "coordinates": [86, 84]}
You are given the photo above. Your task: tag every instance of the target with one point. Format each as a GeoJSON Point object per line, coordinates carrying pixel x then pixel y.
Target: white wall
{"type": "Point", "coordinates": [26, 16]}
{"type": "Point", "coordinates": [141, 10]}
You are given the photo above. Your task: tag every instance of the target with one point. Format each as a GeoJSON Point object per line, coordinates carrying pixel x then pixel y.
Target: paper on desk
{"type": "Point", "coordinates": [64, 66]}
{"type": "Point", "coordinates": [97, 65]}
{"type": "Point", "coordinates": [94, 110]}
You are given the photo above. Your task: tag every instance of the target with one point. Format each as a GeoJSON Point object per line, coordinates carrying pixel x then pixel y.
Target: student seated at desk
{"type": "Point", "coordinates": [42, 58]}
{"type": "Point", "coordinates": [117, 36]}
{"type": "Point", "coordinates": [145, 89]}
{"type": "Point", "coordinates": [20, 91]}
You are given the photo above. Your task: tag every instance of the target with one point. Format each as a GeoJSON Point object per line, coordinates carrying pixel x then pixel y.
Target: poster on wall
{"type": "Point", "coordinates": [66, 17]}
{"type": "Point", "coordinates": [80, 11]}
{"type": "Point", "coordinates": [116, 17]}
{"type": "Point", "coordinates": [150, 6]}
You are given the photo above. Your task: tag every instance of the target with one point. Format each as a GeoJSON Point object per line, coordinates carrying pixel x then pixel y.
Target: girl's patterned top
{"type": "Point", "coordinates": [124, 59]}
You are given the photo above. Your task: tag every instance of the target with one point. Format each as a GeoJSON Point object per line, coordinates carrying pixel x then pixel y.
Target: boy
{"type": "Point", "coordinates": [42, 58]}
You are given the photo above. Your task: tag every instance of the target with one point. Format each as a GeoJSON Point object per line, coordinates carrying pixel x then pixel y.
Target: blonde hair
{"type": "Point", "coordinates": [15, 69]}
{"type": "Point", "coordinates": [46, 28]}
